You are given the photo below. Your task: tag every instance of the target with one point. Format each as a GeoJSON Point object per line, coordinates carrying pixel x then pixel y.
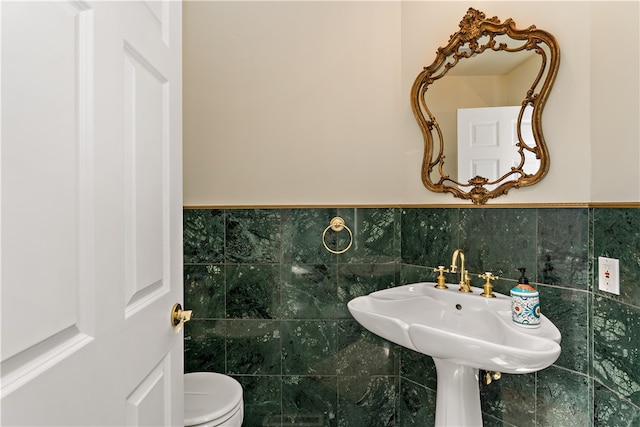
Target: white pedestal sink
{"type": "Point", "coordinates": [463, 332]}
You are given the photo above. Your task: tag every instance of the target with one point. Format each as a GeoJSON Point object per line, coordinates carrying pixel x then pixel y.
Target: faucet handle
{"type": "Point", "coordinates": [441, 278]}
{"type": "Point", "coordinates": [488, 287]}
{"type": "Point", "coordinates": [488, 276]}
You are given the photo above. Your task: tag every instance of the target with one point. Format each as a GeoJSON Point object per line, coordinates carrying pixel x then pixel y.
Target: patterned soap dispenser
{"type": "Point", "coordinates": [525, 303]}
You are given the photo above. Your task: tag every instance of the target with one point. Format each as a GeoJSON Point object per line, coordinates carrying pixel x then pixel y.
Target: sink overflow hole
{"type": "Point", "coordinates": [458, 307]}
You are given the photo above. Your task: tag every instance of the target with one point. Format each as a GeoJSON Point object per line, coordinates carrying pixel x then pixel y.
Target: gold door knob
{"type": "Point", "coordinates": [179, 317]}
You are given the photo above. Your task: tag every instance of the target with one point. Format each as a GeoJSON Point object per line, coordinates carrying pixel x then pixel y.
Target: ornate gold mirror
{"type": "Point", "coordinates": [488, 137]}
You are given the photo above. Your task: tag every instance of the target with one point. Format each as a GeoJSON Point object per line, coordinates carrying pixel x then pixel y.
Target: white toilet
{"type": "Point", "coordinates": [212, 400]}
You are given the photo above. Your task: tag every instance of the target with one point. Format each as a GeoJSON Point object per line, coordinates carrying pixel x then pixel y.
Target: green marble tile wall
{"type": "Point", "coordinates": [270, 310]}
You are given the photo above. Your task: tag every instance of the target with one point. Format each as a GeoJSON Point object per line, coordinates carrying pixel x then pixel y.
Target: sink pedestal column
{"type": "Point", "coordinates": [458, 395]}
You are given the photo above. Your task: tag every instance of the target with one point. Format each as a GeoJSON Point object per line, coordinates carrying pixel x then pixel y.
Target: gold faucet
{"type": "Point", "coordinates": [465, 282]}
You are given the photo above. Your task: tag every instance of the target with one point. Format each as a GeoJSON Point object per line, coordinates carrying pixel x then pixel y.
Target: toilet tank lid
{"type": "Point", "coordinates": [208, 396]}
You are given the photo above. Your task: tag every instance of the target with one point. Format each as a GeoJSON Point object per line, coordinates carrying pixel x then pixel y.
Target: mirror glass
{"type": "Point", "coordinates": [479, 106]}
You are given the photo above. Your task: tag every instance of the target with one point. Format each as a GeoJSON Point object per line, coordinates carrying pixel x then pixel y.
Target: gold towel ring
{"type": "Point", "coordinates": [337, 224]}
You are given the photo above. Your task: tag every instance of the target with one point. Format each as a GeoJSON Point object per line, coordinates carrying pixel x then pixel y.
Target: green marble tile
{"type": "Point", "coordinates": [253, 236]}
{"type": "Point", "coordinates": [203, 234]}
{"type": "Point", "coordinates": [499, 240]}
{"type": "Point", "coordinates": [309, 291]}
{"type": "Point", "coordinates": [429, 236]}
{"type": "Point", "coordinates": [376, 235]}
{"type": "Point", "coordinates": [204, 291]}
{"type": "Point", "coordinates": [367, 401]}
{"type": "Point", "coordinates": [254, 347]}
{"type": "Point", "coordinates": [611, 410]}
{"type": "Point", "coordinates": [569, 310]}
{"type": "Point", "coordinates": [511, 399]}
{"type": "Point", "coordinates": [490, 421]}
{"type": "Point", "coordinates": [616, 234]}
{"type": "Point", "coordinates": [563, 398]}
{"type": "Point", "coordinates": [309, 347]}
{"type": "Point", "coordinates": [355, 280]}
{"type": "Point", "coordinates": [563, 247]}
{"type": "Point", "coordinates": [362, 353]}
{"type": "Point", "coordinates": [616, 347]}
{"type": "Point", "coordinates": [302, 236]}
{"type": "Point", "coordinates": [310, 401]}
{"type": "Point", "coordinates": [418, 368]}
{"type": "Point", "coordinates": [416, 274]}
{"type": "Point", "coordinates": [253, 291]}
{"type": "Point", "coordinates": [262, 400]}
{"type": "Point", "coordinates": [204, 346]}
{"type": "Point", "coordinates": [416, 405]}
{"type": "Point", "coordinates": [276, 268]}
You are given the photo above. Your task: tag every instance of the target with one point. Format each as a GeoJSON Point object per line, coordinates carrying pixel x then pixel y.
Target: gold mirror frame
{"type": "Point", "coordinates": [478, 34]}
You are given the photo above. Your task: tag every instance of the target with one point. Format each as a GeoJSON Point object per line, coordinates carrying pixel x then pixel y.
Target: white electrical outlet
{"type": "Point", "coordinates": [609, 275]}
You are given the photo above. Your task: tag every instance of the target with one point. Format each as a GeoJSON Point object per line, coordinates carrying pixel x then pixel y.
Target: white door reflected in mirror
{"type": "Point", "coordinates": [487, 139]}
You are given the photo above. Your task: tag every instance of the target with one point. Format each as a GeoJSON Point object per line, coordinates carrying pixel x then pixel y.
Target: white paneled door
{"type": "Point", "coordinates": [487, 140]}
{"type": "Point", "coordinates": [91, 222]}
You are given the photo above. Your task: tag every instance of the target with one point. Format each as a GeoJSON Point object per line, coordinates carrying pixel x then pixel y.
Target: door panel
{"type": "Point", "coordinates": [146, 138]}
{"type": "Point", "coordinates": [149, 396]}
{"type": "Point", "coordinates": [46, 219]}
{"type": "Point", "coordinates": [91, 213]}
{"type": "Point", "coordinates": [487, 140]}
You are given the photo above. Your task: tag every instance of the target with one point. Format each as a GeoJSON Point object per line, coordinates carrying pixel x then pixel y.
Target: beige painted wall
{"type": "Point", "coordinates": [307, 103]}
{"type": "Point", "coordinates": [615, 91]}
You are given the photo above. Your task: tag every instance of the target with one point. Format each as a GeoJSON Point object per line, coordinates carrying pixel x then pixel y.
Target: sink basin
{"type": "Point", "coordinates": [463, 332]}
